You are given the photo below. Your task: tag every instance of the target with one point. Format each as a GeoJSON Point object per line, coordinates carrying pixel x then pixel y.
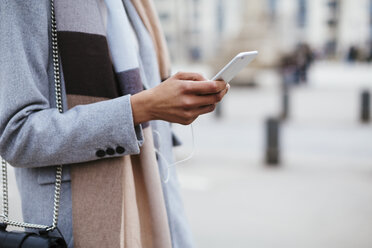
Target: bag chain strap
{"type": "Point", "coordinates": [57, 188]}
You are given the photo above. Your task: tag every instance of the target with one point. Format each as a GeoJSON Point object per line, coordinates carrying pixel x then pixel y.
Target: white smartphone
{"type": "Point", "coordinates": [235, 66]}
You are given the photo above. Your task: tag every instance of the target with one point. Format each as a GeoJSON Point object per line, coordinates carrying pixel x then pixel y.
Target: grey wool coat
{"type": "Point", "coordinates": [34, 136]}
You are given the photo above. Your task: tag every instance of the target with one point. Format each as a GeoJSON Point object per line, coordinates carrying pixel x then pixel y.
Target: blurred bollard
{"type": "Point", "coordinates": [218, 110]}
{"type": "Point", "coordinates": [285, 102]}
{"type": "Point", "coordinates": [365, 113]}
{"type": "Point", "coordinates": [272, 141]}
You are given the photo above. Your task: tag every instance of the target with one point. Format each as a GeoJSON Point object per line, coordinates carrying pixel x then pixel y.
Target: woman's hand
{"type": "Point", "coordinates": [179, 99]}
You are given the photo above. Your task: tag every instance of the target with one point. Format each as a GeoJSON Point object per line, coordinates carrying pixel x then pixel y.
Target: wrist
{"type": "Point", "coordinates": [141, 103]}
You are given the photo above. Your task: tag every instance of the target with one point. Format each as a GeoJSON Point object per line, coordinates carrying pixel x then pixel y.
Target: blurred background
{"type": "Point", "coordinates": [286, 160]}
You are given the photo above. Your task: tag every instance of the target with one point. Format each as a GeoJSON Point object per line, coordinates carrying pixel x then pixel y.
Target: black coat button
{"type": "Point", "coordinates": [120, 149]}
{"type": "Point", "coordinates": [100, 153]}
{"type": "Point", "coordinates": [110, 151]}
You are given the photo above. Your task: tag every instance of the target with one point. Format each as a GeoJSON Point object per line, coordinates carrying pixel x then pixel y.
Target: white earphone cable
{"type": "Point", "coordinates": [168, 166]}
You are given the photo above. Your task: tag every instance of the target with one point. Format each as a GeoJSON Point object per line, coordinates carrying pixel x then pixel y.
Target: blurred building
{"type": "Point", "coordinates": [194, 28]}
{"type": "Point", "coordinates": [201, 30]}
{"type": "Point", "coordinates": [332, 26]}
{"type": "Point", "coordinates": [339, 24]}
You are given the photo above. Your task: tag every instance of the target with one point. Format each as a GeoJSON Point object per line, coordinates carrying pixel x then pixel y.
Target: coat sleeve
{"type": "Point", "coordinates": [32, 132]}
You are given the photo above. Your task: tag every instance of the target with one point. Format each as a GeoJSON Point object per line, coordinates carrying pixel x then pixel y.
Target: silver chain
{"type": "Point", "coordinates": [57, 188]}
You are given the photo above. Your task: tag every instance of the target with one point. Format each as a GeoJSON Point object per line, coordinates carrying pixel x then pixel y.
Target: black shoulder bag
{"type": "Point", "coordinates": [43, 238]}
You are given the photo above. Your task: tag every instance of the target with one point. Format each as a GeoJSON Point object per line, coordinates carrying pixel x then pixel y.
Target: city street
{"type": "Point", "coordinates": [318, 195]}
{"type": "Point", "coordinates": [321, 194]}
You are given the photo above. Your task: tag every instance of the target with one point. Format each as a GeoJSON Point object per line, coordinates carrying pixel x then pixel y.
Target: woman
{"type": "Point", "coordinates": [116, 115]}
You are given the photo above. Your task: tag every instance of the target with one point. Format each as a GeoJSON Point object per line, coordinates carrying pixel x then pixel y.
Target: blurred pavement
{"type": "Point", "coordinates": [320, 196]}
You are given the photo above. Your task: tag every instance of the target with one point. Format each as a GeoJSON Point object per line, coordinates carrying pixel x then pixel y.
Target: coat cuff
{"type": "Point", "coordinates": [126, 138]}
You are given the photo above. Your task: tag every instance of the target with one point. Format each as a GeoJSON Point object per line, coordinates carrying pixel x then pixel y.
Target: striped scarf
{"type": "Point", "coordinates": [100, 63]}
{"type": "Point", "coordinates": [123, 46]}
{"type": "Point", "coordinates": [86, 44]}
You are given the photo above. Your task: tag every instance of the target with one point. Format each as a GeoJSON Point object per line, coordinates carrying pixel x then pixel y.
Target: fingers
{"type": "Point", "coordinates": [190, 116]}
{"type": "Point", "coordinates": [212, 98]}
{"type": "Point", "coordinates": [196, 101]}
{"type": "Point", "coordinates": [205, 109]}
{"type": "Point", "coordinates": [195, 83]}
{"type": "Point", "coordinates": [199, 105]}
{"type": "Point", "coordinates": [203, 87]}
{"type": "Point", "coordinates": [190, 76]}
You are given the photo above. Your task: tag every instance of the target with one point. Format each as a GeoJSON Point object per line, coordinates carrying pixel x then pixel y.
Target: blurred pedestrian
{"type": "Point", "coordinates": [304, 59]}
{"type": "Point", "coordinates": [353, 54]}
{"type": "Point", "coordinates": [295, 66]}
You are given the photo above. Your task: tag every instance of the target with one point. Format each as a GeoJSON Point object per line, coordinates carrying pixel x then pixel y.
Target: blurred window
{"type": "Point", "coordinates": [164, 16]}
{"type": "Point", "coordinates": [333, 4]}
{"type": "Point", "coordinates": [220, 17]}
{"type": "Point", "coordinates": [168, 38]}
{"type": "Point", "coordinates": [195, 53]}
{"type": "Point", "coordinates": [302, 13]}
{"type": "Point", "coordinates": [370, 18]}
{"type": "Point", "coordinates": [273, 7]}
